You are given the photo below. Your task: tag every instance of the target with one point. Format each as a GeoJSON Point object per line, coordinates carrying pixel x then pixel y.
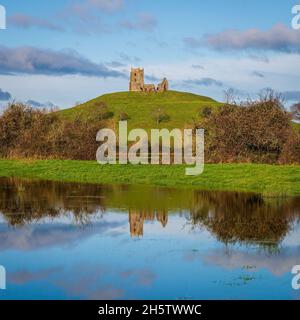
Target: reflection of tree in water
{"type": "Point", "coordinates": [239, 217]}
{"type": "Point", "coordinates": [24, 201]}
{"type": "Point", "coordinates": [231, 217]}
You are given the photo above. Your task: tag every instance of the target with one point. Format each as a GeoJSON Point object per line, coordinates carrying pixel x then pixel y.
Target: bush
{"type": "Point", "coordinates": [160, 116]}
{"type": "Point", "coordinates": [254, 132]}
{"type": "Point", "coordinates": [24, 130]}
{"type": "Point", "coordinates": [75, 140]}
{"type": "Point", "coordinates": [27, 132]}
{"type": "Point", "coordinates": [205, 112]}
{"type": "Point", "coordinates": [291, 150]}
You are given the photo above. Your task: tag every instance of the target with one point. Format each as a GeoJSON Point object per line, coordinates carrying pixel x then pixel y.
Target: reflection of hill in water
{"type": "Point", "coordinates": [231, 217]}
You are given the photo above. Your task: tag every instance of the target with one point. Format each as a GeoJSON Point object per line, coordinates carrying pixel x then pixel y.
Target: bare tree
{"type": "Point", "coordinates": [270, 95]}
{"type": "Point", "coordinates": [229, 96]}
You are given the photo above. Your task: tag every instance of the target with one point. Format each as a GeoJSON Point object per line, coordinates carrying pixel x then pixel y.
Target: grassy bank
{"type": "Point", "coordinates": [266, 179]}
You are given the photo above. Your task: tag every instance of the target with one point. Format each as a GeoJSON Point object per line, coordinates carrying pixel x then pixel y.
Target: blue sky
{"type": "Point", "coordinates": [69, 51]}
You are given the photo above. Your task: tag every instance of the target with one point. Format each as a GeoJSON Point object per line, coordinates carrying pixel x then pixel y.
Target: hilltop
{"type": "Point", "coordinates": [181, 107]}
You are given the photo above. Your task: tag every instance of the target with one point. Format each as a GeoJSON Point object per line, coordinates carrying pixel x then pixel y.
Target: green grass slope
{"type": "Point", "coordinates": [181, 107]}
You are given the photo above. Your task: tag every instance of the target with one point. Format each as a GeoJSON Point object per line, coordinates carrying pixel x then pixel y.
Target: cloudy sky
{"type": "Point", "coordinates": [64, 51]}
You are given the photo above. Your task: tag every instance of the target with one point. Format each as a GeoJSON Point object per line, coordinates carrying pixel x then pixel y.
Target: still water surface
{"type": "Point", "coordinates": [76, 241]}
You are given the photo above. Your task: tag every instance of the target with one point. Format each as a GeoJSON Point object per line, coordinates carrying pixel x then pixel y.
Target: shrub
{"type": "Point", "coordinates": [291, 150]}
{"type": "Point", "coordinates": [27, 132]}
{"type": "Point", "coordinates": [75, 140]}
{"type": "Point", "coordinates": [205, 112]}
{"type": "Point", "coordinates": [160, 116]}
{"type": "Point", "coordinates": [24, 129]}
{"type": "Point", "coordinates": [254, 132]}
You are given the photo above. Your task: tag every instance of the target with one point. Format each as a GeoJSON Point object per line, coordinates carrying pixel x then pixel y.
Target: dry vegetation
{"type": "Point", "coordinates": [255, 131]}
{"type": "Point", "coordinates": [258, 131]}
{"type": "Point", "coordinates": [29, 133]}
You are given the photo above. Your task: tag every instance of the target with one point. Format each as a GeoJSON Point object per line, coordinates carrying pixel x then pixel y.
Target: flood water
{"type": "Point", "coordinates": [76, 241]}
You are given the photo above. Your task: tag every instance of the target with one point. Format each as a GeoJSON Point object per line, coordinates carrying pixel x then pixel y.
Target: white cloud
{"type": "Point", "coordinates": [31, 60]}
{"type": "Point", "coordinates": [279, 38]}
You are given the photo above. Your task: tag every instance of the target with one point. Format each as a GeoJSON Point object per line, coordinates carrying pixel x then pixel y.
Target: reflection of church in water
{"type": "Point", "coordinates": [137, 218]}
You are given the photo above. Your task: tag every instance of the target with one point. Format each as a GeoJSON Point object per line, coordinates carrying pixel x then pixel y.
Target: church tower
{"type": "Point", "coordinates": [136, 79]}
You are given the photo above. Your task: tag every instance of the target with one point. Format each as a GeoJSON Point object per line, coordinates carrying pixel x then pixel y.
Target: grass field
{"type": "Point", "coordinates": [181, 107]}
{"type": "Point", "coordinates": [271, 180]}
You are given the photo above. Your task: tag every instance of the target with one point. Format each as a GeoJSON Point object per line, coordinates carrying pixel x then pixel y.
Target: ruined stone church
{"type": "Point", "coordinates": [137, 82]}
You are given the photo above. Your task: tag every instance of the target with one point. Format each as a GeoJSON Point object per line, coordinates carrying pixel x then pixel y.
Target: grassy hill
{"type": "Point", "coordinates": [141, 108]}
